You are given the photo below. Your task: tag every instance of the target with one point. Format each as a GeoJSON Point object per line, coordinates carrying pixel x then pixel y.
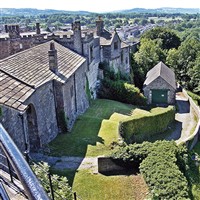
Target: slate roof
{"type": "Point", "coordinates": [32, 65]}
{"type": "Point", "coordinates": [21, 73]}
{"type": "Point", "coordinates": [13, 92]}
{"type": "Point", "coordinates": [124, 45]}
{"type": "Point", "coordinates": [161, 70]}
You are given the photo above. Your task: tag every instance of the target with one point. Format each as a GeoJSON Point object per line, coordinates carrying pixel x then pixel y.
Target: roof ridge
{"type": "Point", "coordinates": [32, 86]}
{"type": "Point", "coordinates": [25, 50]}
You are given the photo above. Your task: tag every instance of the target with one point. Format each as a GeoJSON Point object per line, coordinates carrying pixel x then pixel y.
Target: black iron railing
{"type": "Point", "coordinates": [17, 163]}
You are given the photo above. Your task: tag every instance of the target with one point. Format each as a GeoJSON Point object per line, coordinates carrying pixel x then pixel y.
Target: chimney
{"type": "Point", "coordinates": [99, 25]}
{"type": "Point", "coordinates": [6, 28]}
{"type": "Point", "coordinates": [76, 27]}
{"type": "Point", "coordinates": [38, 28]}
{"type": "Point", "coordinates": [17, 30]}
{"type": "Point", "coordinates": [53, 61]}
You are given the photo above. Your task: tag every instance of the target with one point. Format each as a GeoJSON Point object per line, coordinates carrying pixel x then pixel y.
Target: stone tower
{"type": "Point", "coordinates": [99, 25]}
{"type": "Point", "coordinates": [76, 27]}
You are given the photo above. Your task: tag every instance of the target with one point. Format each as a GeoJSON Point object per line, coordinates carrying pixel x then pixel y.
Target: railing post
{"type": "Point", "coordinates": [75, 196]}
{"type": "Point", "coordinates": [26, 156]}
{"type": "Point", "coordinates": [10, 171]}
{"type": "Point", "coordinates": [51, 186]}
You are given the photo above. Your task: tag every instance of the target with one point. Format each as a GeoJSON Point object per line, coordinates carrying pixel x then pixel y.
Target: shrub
{"type": "Point", "coordinates": [195, 97]}
{"type": "Point", "coordinates": [61, 188]}
{"type": "Point", "coordinates": [121, 91]}
{"type": "Point", "coordinates": [137, 127]}
{"type": "Point", "coordinates": [159, 167]}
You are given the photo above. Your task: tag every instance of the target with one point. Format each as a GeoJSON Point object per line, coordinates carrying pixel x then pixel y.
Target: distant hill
{"type": "Point", "coordinates": [162, 10]}
{"type": "Point", "coordinates": [34, 11]}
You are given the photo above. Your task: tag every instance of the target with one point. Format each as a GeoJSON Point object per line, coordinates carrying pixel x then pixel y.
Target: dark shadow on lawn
{"type": "Point", "coordinates": [125, 172]}
{"type": "Point", "coordinates": [183, 106]}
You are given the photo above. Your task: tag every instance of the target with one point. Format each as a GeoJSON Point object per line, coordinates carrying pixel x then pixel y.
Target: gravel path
{"type": "Point", "coordinates": [68, 162]}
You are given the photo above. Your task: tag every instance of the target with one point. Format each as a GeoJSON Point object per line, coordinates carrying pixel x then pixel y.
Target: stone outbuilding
{"type": "Point", "coordinates": [160, 85]}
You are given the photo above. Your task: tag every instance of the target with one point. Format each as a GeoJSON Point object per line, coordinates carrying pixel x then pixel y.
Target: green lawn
{"type": "Point", "coordinates": [101, 187]}
{"type": "Point", "coordinates": [92, 133]}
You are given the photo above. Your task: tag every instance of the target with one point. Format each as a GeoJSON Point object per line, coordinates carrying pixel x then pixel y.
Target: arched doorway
{"type": "Point", "coordinates": [34, 140]}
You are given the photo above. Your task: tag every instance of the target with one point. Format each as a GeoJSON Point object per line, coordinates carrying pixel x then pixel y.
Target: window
{"type": "Point", "coordinates": [115, 45]}
{"type": "Point", "coordinates": [21, 46]}
{"type": "Point", "coordinates": [122, 57]}
{"type": "Point", "coordinates": [91, 53]}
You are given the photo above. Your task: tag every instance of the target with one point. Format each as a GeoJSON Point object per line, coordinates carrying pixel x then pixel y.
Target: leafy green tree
{"type": "Point", "coordinates": [168, 37]}
{"type": "Point", "coordinates": [185, 61]}
{"type": "Point", "coordinates": [149, 54]}
{"type": "Point", "coordinates": [61, 188]}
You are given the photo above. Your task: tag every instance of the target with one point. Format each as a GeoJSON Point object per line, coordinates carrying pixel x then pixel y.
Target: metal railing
{"type": "Point", "coordinates": [3, 193]}
{"type": "Point", "coordinates": [31, 184]}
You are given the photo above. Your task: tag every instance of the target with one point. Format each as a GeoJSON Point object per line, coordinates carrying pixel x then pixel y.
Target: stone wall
{"type": "Point", "coordinates": [125, 61]}
{"type": "Point", "coordinates": [107, 165]}
{"type": "Point", "coordinates": [194, 137]}
{"type": "Point", "coordinates": [5, 48]}
{"type": "Point", "coordinates": [12, 122]}
{"type": "Point", "coordinates": [44, 104]}
{"type": "Point", "coordinates": [115, 47]}
{"type": "Point", "coordinates": [74, 95]}
{"type": "Point", "coordinates": [159, 83]}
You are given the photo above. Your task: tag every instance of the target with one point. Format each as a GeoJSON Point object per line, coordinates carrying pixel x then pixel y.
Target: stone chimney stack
{"type": "Point", "coordinates": [6, 28]}
{"type": "Point", "coordinates": [38, 28]}
{"type": "Point", "coordinates": [53, 60]}
{"type": "Point", "coordinates": [99, 25]}
{"type": "Point", "coordinates": [76, 27]}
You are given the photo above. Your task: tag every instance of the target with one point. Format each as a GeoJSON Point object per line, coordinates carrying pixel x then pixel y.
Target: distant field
{"type": "Point", "coordinates": [166, 19]}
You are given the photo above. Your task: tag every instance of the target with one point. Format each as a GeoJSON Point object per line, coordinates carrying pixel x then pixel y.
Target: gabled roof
{"type": "Point", "coordinates": [161, 70]}
{"type": "Point", "coordinates": [22, 73]}
{"type": "Point", "coordinates": [124, 45]}
{"type": "Point", "coordinates": [32, 65]}
{"type": "Point", "coordinates": [13, 92]}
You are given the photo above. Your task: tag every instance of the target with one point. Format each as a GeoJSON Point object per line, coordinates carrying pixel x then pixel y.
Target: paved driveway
{"type": "Point", "coordinates": [185, 119]}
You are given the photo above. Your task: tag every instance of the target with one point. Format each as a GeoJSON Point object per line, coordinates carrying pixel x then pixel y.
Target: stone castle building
{"type": "Point", "coordinates": [44, 79]}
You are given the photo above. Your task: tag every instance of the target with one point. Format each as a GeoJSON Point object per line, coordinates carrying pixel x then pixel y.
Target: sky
{"type": "Point", "coordinates": [98, 5]}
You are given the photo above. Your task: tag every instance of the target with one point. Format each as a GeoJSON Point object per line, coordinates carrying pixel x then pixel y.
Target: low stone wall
{"type": "Point", "coordinates": [195, 136]}
{"type": "Point", "coordinates": [107, 165]}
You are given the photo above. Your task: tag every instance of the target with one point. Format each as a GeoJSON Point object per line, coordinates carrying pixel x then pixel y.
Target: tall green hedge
{"type": "Point", "coordinates": [160, 165]}
{"type": "Point", "coordinates": [137, 127]}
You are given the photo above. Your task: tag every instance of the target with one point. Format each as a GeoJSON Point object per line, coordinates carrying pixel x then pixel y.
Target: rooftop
{"type": "Point", "coordinates": [161, 70]}
{"type": "Point", "coordinates": [21, 73]}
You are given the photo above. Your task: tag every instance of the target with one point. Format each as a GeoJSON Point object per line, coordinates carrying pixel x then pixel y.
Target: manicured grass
{"type": "Point", "coordinates": [100, 187]}
{"type": "Point", "coordinates": [91, 134]}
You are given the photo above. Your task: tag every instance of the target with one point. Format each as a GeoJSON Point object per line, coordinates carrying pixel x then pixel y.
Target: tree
{"type": "Point", "coordinates": [60, 185]}
{"type": "Point", "coordinates": [185, 61]}
{"type": "Point", "coordinates": [168, 37]}
{"type": "Point", "coordinates": [149, 54]}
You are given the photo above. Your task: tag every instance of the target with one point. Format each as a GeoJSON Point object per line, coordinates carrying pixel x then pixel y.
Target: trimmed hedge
{"type": "Point", "coordinates": [159, 164]}
{"type": "Point", "coordinates": [137, 127]}
{"type": "Point", "coordinates": [195, 97]}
